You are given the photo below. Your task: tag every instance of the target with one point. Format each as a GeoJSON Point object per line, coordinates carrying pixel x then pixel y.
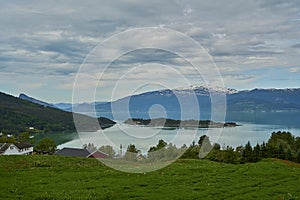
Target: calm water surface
{"type": "Point", "coordinates": [145, 137]}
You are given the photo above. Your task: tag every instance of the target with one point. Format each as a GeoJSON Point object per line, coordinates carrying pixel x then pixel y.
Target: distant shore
{"type": "Point", "coordinates": [171, 123]}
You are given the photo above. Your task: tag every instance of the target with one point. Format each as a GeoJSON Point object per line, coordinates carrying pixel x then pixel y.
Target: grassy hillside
{"type": "Point", "coordinates": [16, 115]}
{"type": "Point", "coordinates": [53, 177]}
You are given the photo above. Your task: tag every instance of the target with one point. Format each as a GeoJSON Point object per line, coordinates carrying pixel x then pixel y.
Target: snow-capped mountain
{"type": "Point", "coordinates": [248, 101]}
{"type": "Point", "coordinates": [258, 105]}
{"type": "Point", "coordinates": [204, 90]}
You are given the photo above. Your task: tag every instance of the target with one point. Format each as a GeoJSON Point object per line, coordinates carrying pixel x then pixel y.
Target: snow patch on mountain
{"type": "Point", "coordinates": [205, 90]}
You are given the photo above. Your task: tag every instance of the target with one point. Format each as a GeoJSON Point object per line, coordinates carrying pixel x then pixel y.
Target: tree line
{"type": "Point", "coordinates": [281, 145]}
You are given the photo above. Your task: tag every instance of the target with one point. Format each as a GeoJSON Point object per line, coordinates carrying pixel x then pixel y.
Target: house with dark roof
{"type": "Point", "coordinates": [16, 149]}
{"type": "Point", "coordinates": [81, 153]}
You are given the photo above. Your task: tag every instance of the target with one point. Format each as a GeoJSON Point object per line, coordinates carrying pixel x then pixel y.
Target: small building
{"type": "Point", "coordinates": [98, 154]}
{"type": "Point", "coordinates": [16, 149]}
{"type": "Point", "coordinates": [81, 153]}
{"type": "Point", "coordinates": [73, 152]}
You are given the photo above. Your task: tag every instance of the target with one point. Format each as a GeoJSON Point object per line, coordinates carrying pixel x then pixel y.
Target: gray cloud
{"type": "Point", "coordinates": [297, 46]}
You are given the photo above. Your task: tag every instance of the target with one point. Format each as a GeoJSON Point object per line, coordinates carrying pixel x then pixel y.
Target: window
{"type": "Point", "coordinates": [11, 147]}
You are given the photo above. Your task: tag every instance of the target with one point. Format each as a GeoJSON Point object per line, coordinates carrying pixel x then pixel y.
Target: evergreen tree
{"type": "Point", "coordinates": [280, 152]}
{"type": "Point", "coordinates": [240, 150]}
{"type": "Point", "coordinates": [298, 157]}
{"type": "Point", "coordinates": [131, 153]}
{"type": "Point", "coordinates": [297, 144]}
{"type": "Point", "coordinates": [256, 153]}
{"type": "Point", "coordinates": [263, 151]}
{"type": "Point", "coordinates": [132, 149]}
{"type": "Point", "coordinates": [230, 156]}
{"type": "Point", "coordinates": [90, 147]}
{"type": "Point", "coordinates": [193, 144]}
{"type": "Point", "coordinates": [288, 155]}
{"type": "Point", "coordinates": [161, 144]}
{"type": "Point", "coordinates": [216, 147]}
{"type": "Point", "coordinates": [205, 146]}
{"type": "Point", "coordinates": [247, 153]}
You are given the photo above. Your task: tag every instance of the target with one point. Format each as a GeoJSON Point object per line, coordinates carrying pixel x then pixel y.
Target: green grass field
{"type": "Point", "coordinates": [53, 177]}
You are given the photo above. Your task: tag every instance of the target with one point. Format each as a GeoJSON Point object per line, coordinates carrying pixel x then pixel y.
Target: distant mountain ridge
{"type": "Point", "coordinates": [79, 106]}
{"type": "Point", "coordinates": [246, 105]}
{"type": "Point", "coordinates": [33, 100]}
{"type": "Point", "coordinates": [63, 106]}
{"type": "Point", "coordinates": [265, 100]}
{"type": "Point", "coordinates": [247, 101]}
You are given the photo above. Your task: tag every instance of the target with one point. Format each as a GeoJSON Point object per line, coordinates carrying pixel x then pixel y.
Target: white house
{"type": "Point", "coordinates": [16, 149]}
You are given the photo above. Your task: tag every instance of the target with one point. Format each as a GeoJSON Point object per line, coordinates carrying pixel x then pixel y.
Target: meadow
{"type": "Point", "coordinates": [54, 177]}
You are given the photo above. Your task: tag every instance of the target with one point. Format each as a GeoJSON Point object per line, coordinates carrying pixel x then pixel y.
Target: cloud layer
{"type": "Point", "coordinates": [43, 43]}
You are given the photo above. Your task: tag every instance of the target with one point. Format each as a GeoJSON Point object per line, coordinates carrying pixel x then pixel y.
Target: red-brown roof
{"type": "Point", "coordinates": [98, 154]}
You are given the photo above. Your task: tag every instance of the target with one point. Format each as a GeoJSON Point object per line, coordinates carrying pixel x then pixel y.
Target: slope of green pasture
{"type": "Point", "coordinates": [54, 177]}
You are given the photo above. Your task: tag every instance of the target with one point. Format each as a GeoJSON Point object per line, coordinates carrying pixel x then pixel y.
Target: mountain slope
{"type": "Point", "coordinates": [278, 106]}
{"type": "Point", "coordinates": [257, 100]}
{"type": "Point", "coordinates": [33, 100]}
{"type": "Point", "coordinates": [173, 102]}
{"type": "Point", "coordinates": [265, 100]}
{"type": "Point", "coordinates": [79, 107]}
{"type": "Point", "coordinates": [16, 115]}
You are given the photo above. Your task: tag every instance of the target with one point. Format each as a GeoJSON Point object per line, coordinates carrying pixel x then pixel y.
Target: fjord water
{"type": "Point", "coordinates": [254, 128]}
{"type": "Point", "coordinates": [289, 120]}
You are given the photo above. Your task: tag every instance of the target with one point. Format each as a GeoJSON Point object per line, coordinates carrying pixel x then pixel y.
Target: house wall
{"type": "Point", "coordinates": [13, 150]}
{"type": "Point", "coordinates": [26, 151]}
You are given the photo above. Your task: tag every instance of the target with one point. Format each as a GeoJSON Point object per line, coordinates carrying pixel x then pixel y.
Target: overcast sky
{"type": "Point", "coordinates": [254, 44]}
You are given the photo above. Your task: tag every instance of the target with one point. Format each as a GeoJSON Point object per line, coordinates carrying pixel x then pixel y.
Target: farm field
{"type": "Point", "coordinates": [54, 177]}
